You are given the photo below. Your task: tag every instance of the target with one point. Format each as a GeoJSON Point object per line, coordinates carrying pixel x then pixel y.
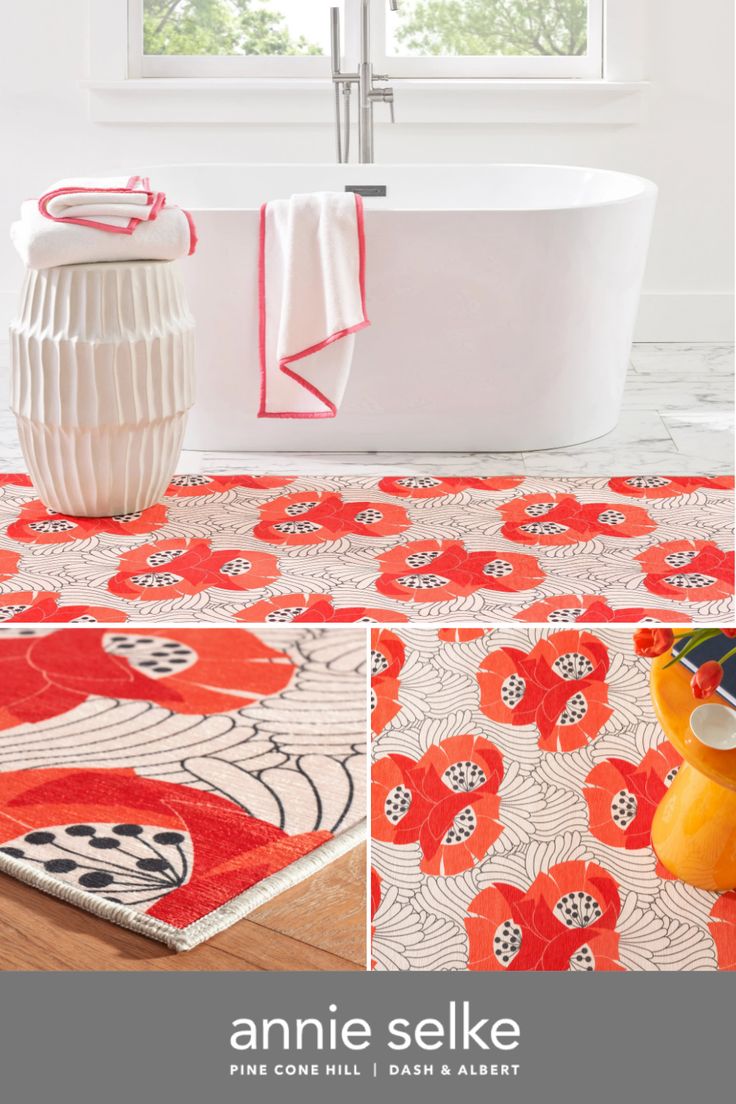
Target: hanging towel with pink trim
{"type": "Point", "coordinates": [83, 221]}
{"type": "Point", "coordinates": [312, 302]}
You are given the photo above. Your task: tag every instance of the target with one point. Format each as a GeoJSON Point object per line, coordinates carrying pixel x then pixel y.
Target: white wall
{"type": "Point", "coordinates": [684, 142]}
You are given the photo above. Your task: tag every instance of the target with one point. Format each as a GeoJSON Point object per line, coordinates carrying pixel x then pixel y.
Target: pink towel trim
{"type": "Point", "coordinates": [331, 409]}
{"type": "Point", "coordinates": [157, 199]}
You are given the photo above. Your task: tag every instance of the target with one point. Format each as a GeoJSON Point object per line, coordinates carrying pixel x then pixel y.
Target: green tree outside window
{"type": "Point", "coordinates": [209, 27]}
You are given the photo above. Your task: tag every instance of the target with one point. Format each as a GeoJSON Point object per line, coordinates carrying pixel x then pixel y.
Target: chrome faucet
{"type": "Point", "coordinates": [365, 82]}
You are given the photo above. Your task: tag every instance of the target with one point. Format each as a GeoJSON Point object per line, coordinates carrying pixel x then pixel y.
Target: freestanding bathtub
{"type": "Point", "coordinates": [502, 300]}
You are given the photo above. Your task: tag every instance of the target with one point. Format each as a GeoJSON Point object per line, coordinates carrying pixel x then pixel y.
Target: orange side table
{"type": "Point", "coordinates": [694, 828]}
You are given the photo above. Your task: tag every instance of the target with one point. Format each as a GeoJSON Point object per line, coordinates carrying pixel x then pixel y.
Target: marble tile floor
{"type": "Point", "coordinates": [677, 419]}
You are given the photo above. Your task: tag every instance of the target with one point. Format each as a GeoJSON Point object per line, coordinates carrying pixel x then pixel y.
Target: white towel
{"type": "Point", "coordinates": [111, 219]}
{"type": "Point", "coordinates": [312, 302]}
{"type": "Point", "coordinates": [114, 204]}
{"type": "Point", "coordinates": [45, 244]}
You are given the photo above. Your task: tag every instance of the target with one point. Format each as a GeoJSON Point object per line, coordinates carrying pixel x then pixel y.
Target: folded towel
{"type": "Point", "coordinates": [312, 301]}
{"type": "Point", "coordinates": [114, 204]}
{"type": "Point", "coordinates": [45, 243]}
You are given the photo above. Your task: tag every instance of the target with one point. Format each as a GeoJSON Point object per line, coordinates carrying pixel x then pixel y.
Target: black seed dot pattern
{"type": "Point", "coordinates": [539, 509]}
{"type": "Point", "coordinates": [397, 803]}
{"type": "Point", "coordinates": [190, 481]}
{"type": "Point", "coordinates": [574, 711]}
{"type": "Point", "coordinates": [464, 776]}
{"type": "Point", "coordinates": [462, 828]}
{"type": "Point", "coordinates": [645, 482]}
{"type": "Point", "coordinates": [422, 582]}
{"type": "Point", "coordinates": [285, 614]}
{"type": "Point", "coordinates": [374, 699]}
{"type": "Point", "coordinates": [150, 655]}
{"type": "Point", "coordinates": [418, 482]}
{"type": "Point", "coordinates": [583, 960]}
{"type": "Point", "coordinates": [507, 942]}
{"type": "Point", "coordinates": [293, 527]}
{"type": "Point", "coordinates": [7, 612]}
{"type": "Point", "coordinates": [297, 508]}
{"type": "Point", "coordinates": [421, 559]}
{"type": "Point", "coordinates": [565, 616]}
{"type": "Point", "coordinates": [126, 519]}
{"type": "Point", "coordinates": [60, 525]}
{"type": "Point", "coordinates": [237, 566]}
{"type": "Point", "coordinates": [623, 808]}
{"type": "Point", "coordinates": [512, 690]}
{"type": "Point", "coordinates": [671, 776]}
{"type": "Point", "coordinates": [572, 666]}
{"type": "Point", "coordinates": [369, 517]}
{"type": "Point", "coordinates": [379, 663]}
{"type": "Point", "coordinates": [611, 517]}
{"type": "Point", "coordinates": [544, 528]}
{"type": "Point", "coordinates": [578, 910]}
{"type": "Point", "coordinates": [691, 580]}
{"type": "Point", "coordinates": [128, 863]}
{"type": "Point", "coordinates": [166, 556]}
{"type": "Point", "coordinates": [680, 559]}
{"type": "Point", "coordinates": [497, 569]}
{"type": "Point", "coordinates": [157, 579]}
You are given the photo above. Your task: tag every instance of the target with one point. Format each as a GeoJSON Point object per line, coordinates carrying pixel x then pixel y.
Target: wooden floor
{"type": "Point", "coordinates": [319, 924]}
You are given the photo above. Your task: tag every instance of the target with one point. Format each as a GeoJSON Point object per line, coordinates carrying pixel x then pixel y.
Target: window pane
{"type": "Point", "coordinates": [236, 27]}
{"type": "Point", "coordinates": [488, 28]}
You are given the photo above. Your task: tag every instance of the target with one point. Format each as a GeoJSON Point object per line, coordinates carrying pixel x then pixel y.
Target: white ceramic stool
{"type": "Point", "coordinates": [102, 377]}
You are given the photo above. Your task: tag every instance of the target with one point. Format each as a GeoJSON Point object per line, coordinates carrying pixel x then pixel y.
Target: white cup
{"type": "Point", "coordinates": [715, 726]}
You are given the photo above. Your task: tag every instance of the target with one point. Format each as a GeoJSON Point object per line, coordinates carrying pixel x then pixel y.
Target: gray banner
{"type": "Point", "coordinates": [153, 1039]}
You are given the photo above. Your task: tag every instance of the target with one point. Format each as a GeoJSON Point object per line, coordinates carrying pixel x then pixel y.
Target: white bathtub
{"type": "Point", "coordinates": [502, 297]}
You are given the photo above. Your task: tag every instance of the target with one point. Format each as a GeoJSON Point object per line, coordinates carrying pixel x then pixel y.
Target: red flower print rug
{"type": "Point", "coordinates": [172, 780]}
{"type": "Point", "coordinates": [411, 548]}
{"type": "Point", "coordinates": [515, 776]}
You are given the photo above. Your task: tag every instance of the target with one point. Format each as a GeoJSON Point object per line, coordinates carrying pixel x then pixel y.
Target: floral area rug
{"type": "Point", "coordinates": [441, 550]}
{"type": "Point", "coordinates": [515, 777]}
{"type": "Point", "coordinates": [173, 780]}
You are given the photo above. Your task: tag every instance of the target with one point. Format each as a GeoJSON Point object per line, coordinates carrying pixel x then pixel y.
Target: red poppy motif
{"type": "Point", "coordinates": [447, 802]}
{"type": "Point", "coordinates": [180, 567]}
{"type": "Point", "coordinates": [312, 517]}
{"type": "Point", "coordinates": [581, 609]}
{"type": "Point", "coordinates": [28, 605]}
{"type": "Point", "coordinates": [460, 636]}
{"type": "Point", "coordinates": [668, 486]}
{"type": "Point", "coordinates": [430, 571]}
{"type": "Point", "coordinates": [8, 564]}
{"type": "Point", "coordinates": [184, 670]}
{"type": "Point", "coordinates": [194, 486]}
{"type": "Point", "coordinates": [14, 479]}
{"type": "Point", "coordinates": [723, 929]}
{"type": "Point", "coordinates": [312, 609]}
{"type": "Point", "coordinates": [435, 486]}
{"type": "Point", "coordinates": [559, 519]}
{"type": "Point", "coordinates": [168, 850]}
{"type": "Point", "coordinates": [37, 524]}
{"type": "Point", "coordinates": [623, 797]}
{"type": "Point", "coordinates": [566, 920]}
{"type": "Point", "coordinates": [388, 656]}
{"type": "Point", "coordinates": [688, 571]}
{"type": "Point", "coordinates": [559, 686]}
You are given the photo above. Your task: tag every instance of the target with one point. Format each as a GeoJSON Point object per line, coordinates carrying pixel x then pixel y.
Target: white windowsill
{"type": "Point", "coordinates": [209, 101]}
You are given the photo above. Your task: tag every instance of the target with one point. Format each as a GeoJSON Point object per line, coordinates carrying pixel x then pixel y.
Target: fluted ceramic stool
{"type": "Point", "coordinates": [694, 828]}
{"type": "Point", "coordinates": [102, 377]}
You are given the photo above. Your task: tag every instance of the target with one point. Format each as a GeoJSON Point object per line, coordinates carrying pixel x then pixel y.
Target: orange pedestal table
{"type": "Point", "coordinates": [694, 828]}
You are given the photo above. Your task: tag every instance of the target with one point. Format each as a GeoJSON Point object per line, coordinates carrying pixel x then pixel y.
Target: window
{"type": "Point", "coordinates": [424, 39]}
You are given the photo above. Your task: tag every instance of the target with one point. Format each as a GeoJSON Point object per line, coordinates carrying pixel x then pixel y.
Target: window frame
{"type": "Point", "coordinates": [586, 67]}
